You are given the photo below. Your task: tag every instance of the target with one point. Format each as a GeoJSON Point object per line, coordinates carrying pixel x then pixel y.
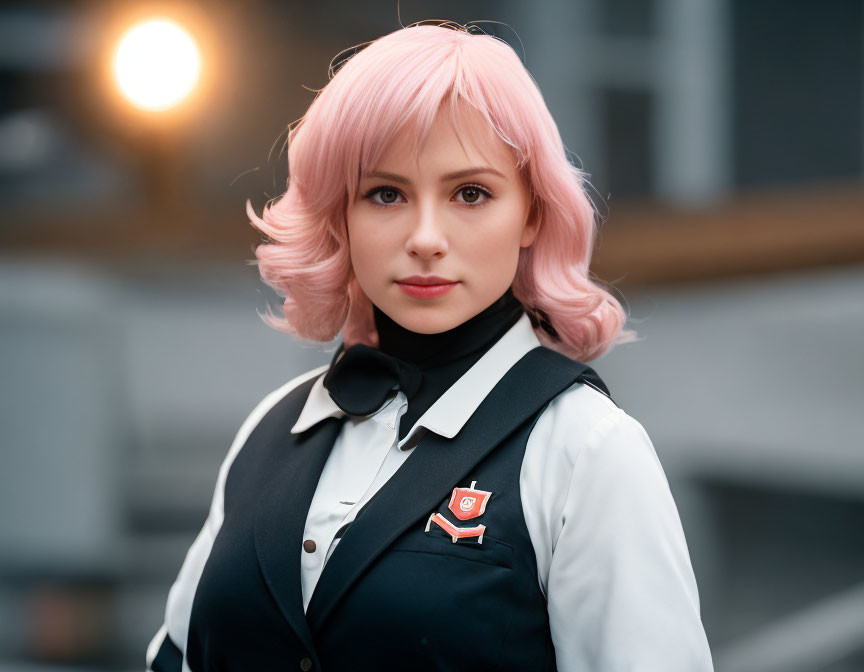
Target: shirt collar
{"type": "Point", "coordinates": [453, 408]}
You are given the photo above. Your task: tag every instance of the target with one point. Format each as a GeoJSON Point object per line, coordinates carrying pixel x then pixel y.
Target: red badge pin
{"type": "Point", "coordinates": [456, 533]}
{"type": "Point", "coordinates": [467, 503]}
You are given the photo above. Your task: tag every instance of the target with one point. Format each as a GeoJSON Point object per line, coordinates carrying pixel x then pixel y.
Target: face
{"type": "Point", "coordinates": [436, 240]}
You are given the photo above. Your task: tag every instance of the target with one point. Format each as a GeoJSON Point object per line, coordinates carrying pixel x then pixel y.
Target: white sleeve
{"type": "Point", "coordinates": [172, 635]}
{"type": "Point", "coordinates": [175, 629]}
{"type": "Point", "coordinates": [621, 591]}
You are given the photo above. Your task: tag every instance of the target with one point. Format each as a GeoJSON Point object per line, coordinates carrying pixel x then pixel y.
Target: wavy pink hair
{"type": "Point", "coordinates": [397, 84]}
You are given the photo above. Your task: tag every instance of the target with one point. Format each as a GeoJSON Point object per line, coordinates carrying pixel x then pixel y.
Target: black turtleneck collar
{"type": "Point", "coordinates": [423, 366]}
{"type": "Point", "coordinates": [443, 358]}
{"type": "Point", "coordinates": [427, 351]}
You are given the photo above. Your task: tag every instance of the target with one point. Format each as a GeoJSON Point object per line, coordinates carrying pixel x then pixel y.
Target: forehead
{"type": "Point", "coordinates": [454, 139]}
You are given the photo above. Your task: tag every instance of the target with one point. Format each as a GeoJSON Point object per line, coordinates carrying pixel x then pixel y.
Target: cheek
{"type": "Point", "coordinates": [359, 259]}
{"type": "Point", "coordinates": [367, 250]}
{"type": "Point", "coordinates": [497, 247]}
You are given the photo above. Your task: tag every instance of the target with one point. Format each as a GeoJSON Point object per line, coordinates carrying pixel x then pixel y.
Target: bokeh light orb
{"type": "Point", "coordinates": [157, 64]}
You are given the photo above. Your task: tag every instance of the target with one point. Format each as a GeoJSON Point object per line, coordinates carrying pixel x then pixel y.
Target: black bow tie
{"type": "Point", "coordinates": [363, 377]}
{"type": "Point", "coordinates": [423, 366]}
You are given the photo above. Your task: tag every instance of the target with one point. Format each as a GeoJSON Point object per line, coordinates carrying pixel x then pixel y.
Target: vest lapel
{"type": "Point", "coordinates": [437, 463]}
{"type": "Point", "coordinates": [284, 503]}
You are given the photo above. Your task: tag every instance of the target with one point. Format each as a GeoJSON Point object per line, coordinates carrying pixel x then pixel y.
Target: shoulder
{"type": "Point", "coordinates": [590, 440]}
{"type": "Point", "coordinates": [589, 465]}
{"type": "Point", "coordinates": [577, 419]}
{"type": "Point", "coordinates": [269, 402]}
{"type": "Point", "coordinates": [582, 432]}
{"type": "Point", "coordinates": [577, 425]}
{"type": "Point", "coordinates": [249, 424]}
{"type": "Point", "coordinates": [583, 439]}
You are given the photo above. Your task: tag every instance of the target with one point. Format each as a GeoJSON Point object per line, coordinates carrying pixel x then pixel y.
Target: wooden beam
{"type": "Point", "coordinates": [640, 243]}
{"type": "Point", "coordinates": [768, 231]}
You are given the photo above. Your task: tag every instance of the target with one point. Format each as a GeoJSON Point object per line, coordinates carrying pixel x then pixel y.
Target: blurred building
{"type": "Point", "coordinates": [725, 141]}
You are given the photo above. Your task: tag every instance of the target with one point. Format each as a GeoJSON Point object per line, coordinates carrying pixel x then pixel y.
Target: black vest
{"type": "Point", "coordinates": [392, 595]}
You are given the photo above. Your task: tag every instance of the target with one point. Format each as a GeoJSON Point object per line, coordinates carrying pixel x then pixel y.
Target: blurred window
{"type": "Point", "coordinates": [626, 17]}
{"type": "Point", "coordinates": [627, 116]}
{"type": "Point", "coordinates": [798, 78]}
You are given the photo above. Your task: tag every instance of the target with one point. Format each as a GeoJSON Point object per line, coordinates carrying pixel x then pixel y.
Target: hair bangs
{"type": "Point", "coordinates": [403, 93]}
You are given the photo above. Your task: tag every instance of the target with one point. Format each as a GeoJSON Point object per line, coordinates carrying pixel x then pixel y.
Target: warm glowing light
{"type": "Point", "coordinates": [157, 64]}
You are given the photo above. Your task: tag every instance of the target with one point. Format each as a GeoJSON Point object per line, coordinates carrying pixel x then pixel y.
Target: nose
{"type": "Point", "coordinates": [427, 239]}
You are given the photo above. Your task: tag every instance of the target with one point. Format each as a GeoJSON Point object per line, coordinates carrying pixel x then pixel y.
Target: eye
{"type": "Point", "coordinates": [474, 195]}
{"type": "Point", "coordinates": [388, 196]}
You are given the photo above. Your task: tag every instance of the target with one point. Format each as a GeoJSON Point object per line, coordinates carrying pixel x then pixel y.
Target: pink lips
{"type": "Point", "coordinates": [426, 287]}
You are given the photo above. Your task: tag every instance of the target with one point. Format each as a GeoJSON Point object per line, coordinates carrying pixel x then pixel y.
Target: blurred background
{"type": "Point", "coordinates": [725, 140]}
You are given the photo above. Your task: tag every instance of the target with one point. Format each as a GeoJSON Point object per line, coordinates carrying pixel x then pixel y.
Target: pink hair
{"type": "Point", "coordinates": [397, 84]}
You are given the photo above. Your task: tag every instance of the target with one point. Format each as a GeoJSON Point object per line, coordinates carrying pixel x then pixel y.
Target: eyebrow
{"type": "Point", "coordinates": [444, 178]}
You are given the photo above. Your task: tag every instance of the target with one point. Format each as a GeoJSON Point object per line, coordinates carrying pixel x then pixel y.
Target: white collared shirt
{"type": "Point", "coordinates": [611, 554]}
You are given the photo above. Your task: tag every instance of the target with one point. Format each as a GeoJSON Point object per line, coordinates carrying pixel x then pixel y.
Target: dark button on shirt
{"type": "Point", "coordinates": [306, 663]}
{"type": "Point", "coordinates": [309, 547]}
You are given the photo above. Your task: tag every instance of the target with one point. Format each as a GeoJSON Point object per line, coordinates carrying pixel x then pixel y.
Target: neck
{"type": "Point", "coordinates": [430, 350]}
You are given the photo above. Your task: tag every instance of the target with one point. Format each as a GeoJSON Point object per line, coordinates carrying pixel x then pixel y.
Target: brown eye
{"type": "Point", "coordinates": [388, 195]}
{"type": "Point", "coordinates": [474, 195]}
{"type": "Point", "coordinates": [471, 194]}
{"type": "Point", "coordinates": [383, 196]}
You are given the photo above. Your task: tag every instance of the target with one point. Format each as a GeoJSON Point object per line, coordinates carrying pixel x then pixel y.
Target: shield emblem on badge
{"type": "Point", "coordinates": [467, 503]}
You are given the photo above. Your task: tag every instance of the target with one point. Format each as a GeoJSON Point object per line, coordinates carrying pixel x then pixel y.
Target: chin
{"type": "Point", "coordinates": [427, 320]}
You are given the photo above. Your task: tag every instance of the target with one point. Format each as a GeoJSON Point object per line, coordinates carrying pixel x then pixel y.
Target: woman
{"type": "Point", "coordinates": [456, 491]}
